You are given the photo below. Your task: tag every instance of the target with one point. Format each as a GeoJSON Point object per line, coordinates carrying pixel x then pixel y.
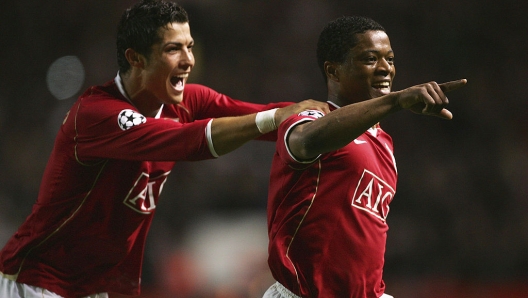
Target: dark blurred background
{"type": "Point", "coordinates": [458, 224]}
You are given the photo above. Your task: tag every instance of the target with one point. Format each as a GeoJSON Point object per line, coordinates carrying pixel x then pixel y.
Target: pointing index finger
{"type": "Point", "coordinates": [452, 85]}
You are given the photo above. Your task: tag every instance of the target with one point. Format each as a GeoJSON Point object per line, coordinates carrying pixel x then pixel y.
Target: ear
{"type": "Point", "coordinates": [134, 58]}
{"type": "Point", "coordinates": [331, 70]}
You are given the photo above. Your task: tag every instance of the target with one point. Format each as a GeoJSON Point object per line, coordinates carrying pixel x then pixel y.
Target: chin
{"type": "Point", "coordinates": [379, 93]}
{"type": "Point", "coordinates": [175, 99]}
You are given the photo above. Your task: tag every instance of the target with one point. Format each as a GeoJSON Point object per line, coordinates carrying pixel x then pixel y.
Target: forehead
{"type": "Point", "coordinates": [372, 41]}
{"type": "Point", "coordinates": [175, 33]}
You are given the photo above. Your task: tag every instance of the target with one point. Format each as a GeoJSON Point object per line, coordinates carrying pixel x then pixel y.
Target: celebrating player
{"type": "Point", "coordinates": [85, 236]}
{"type": "Point", "coordinates": [333, 176]}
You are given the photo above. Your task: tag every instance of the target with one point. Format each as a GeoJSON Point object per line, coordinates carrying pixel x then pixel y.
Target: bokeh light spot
{"type": "Point", "coordinates": [65, 77]}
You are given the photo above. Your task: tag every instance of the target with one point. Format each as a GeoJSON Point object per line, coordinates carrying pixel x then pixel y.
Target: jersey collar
{"type": "Point", "coordinates": [119, 84]}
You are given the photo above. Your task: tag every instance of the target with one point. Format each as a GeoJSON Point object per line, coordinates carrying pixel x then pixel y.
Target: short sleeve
{"type": "Point", "coordinates": [284, 131]}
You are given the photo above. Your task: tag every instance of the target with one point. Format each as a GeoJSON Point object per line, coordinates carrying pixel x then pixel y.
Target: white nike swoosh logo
{"type": "Point", "coordinates": [359, 141]}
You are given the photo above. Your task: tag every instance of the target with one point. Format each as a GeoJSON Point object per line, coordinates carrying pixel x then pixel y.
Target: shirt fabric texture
{"type": "Point", "coordinates": [327, 217]}
{"type": "Point", "coordinates": [86, 232]}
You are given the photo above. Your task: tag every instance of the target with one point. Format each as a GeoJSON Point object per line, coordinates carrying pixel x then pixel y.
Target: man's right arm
{"type": "Point", "coordinates": [229, 133]}
{"type": "Point", "coordinates": [342, 126]}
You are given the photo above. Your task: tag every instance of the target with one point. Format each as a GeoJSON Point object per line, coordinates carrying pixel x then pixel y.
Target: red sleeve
{"type": "Point", "coordinates": [283, 150]}
{"type": "Point", "coordinates": [99, 129]}
{"type": "Point", "coordinates": [204, 102]}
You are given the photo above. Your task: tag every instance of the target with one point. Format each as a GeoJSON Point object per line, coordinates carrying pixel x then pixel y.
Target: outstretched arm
{"type": "Point", "coordinates": [342, 126]}
{"type": "Point", "coordinates": [229, 133]}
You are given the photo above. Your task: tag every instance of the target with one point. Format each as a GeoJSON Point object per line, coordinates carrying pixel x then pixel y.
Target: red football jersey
{"type": "Point", "coordinates": [86, 232]}
{"type": "Point", "coordinates": [327, 217]}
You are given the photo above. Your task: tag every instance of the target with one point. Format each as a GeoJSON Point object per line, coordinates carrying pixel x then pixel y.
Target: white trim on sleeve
{"type": "Point", "coordinates": [210, 138]}
{"type": "Point", "coordinates": [286, 135]}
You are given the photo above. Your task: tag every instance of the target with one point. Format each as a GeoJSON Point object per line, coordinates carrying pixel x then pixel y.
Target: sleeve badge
{"type": "Point", "coordinates": [312, 113]}
{"type": "Point", "coordinates": [130, 118]}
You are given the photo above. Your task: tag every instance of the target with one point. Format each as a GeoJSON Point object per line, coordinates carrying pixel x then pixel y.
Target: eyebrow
{"type": "Point", "coordinates": [176, 43]}
{"type": "Point", "coordinates": [376, 51]}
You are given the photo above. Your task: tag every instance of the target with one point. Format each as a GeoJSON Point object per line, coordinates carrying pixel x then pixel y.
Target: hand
{"type": "Point", "coordinates": [429, 98]}
{"type": "Point", "coordinates": [304, 105]}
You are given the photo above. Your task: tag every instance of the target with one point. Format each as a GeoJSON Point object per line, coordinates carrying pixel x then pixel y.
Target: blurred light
{"type": "Point", "coordinates": [65, 77]}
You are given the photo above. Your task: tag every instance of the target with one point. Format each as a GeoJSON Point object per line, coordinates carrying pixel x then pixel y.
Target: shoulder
{"type": "Point", "coordinates": [196, 97]}
{"type": "Point", "coordinates": [103, 94]}
{"type": "Point", "coordinates": [300, 118]}
{"type": "Point", "coordinates": [99, 102]}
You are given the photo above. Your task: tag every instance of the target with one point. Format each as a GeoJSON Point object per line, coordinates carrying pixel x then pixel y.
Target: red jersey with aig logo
{"type": "Point", "coordinates": [87, 230]}
{"type": "Point", "coordinates": [327, 217]}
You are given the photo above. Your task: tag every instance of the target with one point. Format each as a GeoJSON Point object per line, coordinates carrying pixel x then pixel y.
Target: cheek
{"type": "Point", "coordinates": [156, 79]}
{"type": "Point", "coordinates": [356, 89]}
{"type": "Point", "coordinates": [361, 72]}
{"type": "Point", "coordinates": [161, 73]}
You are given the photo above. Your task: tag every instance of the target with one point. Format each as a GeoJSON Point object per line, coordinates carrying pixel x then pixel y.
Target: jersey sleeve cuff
{"type": "Point", "coordinates": [210, 139]}
{"type": "Point", "coordinates": [287, 134]}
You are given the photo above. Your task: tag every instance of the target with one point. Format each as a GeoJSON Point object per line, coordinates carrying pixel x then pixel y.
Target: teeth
{"type": "Point", "coordinates": [179, 78]}
{"type": "Point", "coordinates": [382, 85]}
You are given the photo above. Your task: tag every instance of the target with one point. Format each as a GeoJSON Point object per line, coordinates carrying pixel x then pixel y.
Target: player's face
{"type": "Point", "coordinates": [369, 69]}
{"type": "Point", "coordinates": [169, 65]}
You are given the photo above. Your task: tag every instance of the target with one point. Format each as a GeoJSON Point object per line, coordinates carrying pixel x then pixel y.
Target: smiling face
{"type": "Point", "coordinates": [168, 66]}
{"type": "Point", "coordinates": [368, 71]}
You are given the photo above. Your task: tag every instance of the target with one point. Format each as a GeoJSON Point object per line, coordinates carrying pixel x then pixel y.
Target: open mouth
{"type": "Point", "coordinates": [177, 82]}
{"type": "Point", "coordinates": [383, 87]}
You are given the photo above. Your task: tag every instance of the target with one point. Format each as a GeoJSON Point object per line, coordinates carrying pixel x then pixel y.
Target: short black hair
{"type": "Point", "coordinates": [139, 27]}
{"type": "Point", "coordinates": [338, 37]}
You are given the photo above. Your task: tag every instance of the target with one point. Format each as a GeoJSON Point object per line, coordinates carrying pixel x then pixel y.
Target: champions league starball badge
{"type": "Point", "coordinates": [312, 113]}
{"type": "Point", "coordinates": [129, 118]}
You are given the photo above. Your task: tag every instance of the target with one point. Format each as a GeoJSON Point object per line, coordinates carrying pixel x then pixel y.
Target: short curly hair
{"type": "Point", "coordinates": [139, 27]}
{"type": "Point", "coordinates": [339, 36]}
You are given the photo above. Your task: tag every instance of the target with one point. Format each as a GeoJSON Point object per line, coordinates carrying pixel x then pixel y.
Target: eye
{"type": "Point", "coordinates": [390, 60]}
{"type": "Point", "coordinates": [370, 59]}
{"type": "Point", "coordinates": [172, 49]}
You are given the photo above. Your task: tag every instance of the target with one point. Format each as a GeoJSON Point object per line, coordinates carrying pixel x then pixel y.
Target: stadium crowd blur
{"type": "Point", "coordinates": [458, 224]}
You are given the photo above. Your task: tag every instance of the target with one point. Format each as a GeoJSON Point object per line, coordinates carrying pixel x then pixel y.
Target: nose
{"type": "Point", "coordinates": [186, 58]}
{"type": "Point", "coordinates": [385, 67]}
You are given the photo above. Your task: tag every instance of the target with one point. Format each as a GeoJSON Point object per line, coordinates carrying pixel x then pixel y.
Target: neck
{"type": "Point", "coordinates": [334, 94]}
{"type": "Point", "coordinates": [143, 100]}
{"type": "Point", "coordinates": [337, 100]}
